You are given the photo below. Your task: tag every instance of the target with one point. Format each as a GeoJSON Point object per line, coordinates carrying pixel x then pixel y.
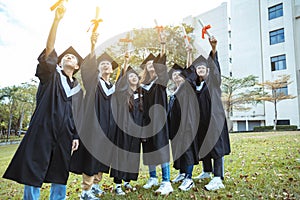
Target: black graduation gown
{"type": "Point", "coordinates": [45, 152]}
{"type": "Point", "coordinates": [183, 117]}
{"type": "Point", "coordinates": [128, 162]}
{"type": "Point", "coordinates": [155, 93]}
{"type": "Point", "coordinates": [218, 125]}
{"type": "Point", "coordinates": [97, 127]}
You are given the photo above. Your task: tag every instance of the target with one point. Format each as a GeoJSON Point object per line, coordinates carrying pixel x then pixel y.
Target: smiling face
{"type": "Point", "coordinates": [105, 67]}
{"type": "Point", "coordinates": [201, 70]}
{"type": "Point", "coordinates": [70, 61]}
{"type": "Point", "coordinates": [177, 78]}
{"type": "Point", "coordinates": [133, 79]}
{"type": "Point", "coordinates": [149, 66]}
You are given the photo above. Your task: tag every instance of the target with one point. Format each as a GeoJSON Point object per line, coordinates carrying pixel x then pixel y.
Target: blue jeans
{"type": "Point", "coordinates": [189, 171]}
{"type": "Point", "coordinates": [165, 169]}
{"type": "Point", "coordinates": [57, 192]}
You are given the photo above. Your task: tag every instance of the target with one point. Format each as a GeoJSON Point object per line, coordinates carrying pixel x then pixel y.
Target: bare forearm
{"type": "Point", "coordinates": [51, 37]}
{"type": "Point", "coordinates": [163, 48]}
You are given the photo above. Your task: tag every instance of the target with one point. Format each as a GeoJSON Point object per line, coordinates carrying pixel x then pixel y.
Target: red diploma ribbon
{"type": "Point", "coordinates": [204, 30]}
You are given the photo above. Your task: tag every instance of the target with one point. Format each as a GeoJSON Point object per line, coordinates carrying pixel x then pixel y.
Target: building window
{"type": "Point", "coordinates": [283, 122]}
{"type": "Point", "coordinates": [278, 63]}
{"type": "Point", "coordinates": [230, 60]}
{"type": "Point", "coordinates": [229, 46]}
{"type": "Point", "coordinates": [277, 36]}
{"type": "Point", "coordinates": [229, 34]}
{"type": "Point", "coordinates": [275, 11]}
{"type": "Point", "coordinates": [283, 91]}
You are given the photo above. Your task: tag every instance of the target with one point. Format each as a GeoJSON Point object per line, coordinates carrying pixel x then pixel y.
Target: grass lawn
{"type": "Point", "coordinates": [260, 166]}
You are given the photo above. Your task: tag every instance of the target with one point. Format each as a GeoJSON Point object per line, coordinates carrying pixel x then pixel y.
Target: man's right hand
{"type": "Point", "coordinates": [60, 12]}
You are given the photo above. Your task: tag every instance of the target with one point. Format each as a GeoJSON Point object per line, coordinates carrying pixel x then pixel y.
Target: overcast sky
{"type": "Point", "coordinates": [25, 24]}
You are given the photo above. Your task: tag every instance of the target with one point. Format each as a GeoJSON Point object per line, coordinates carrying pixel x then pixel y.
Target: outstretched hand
{"type": "Point", "coordinates": [213, 43]}
{"type": "Point", "coordinates": [60, 12]}
{"type": "Point", "coordinates": [94, 38]}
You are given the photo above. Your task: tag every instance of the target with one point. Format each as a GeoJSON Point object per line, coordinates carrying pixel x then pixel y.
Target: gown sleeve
{"type": "Point", "coordinates": [214, 69]}
{"type": "Point", "coordinates": [46, 66]}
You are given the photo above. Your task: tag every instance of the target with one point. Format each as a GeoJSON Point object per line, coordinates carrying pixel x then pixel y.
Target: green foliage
{"type": "Point", "coordinates": [145, 41]}
{"type": "Point", "coordinates": [260, 166]}
{"type": "Point", "coordinates": [278, 127]}
{"type": "Point", "coordinates": [17, 105]}
{"type": "Point", "coordinates": [240, 94]}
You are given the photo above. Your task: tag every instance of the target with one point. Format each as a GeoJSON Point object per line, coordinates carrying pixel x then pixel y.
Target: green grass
{"type": "Point", "coordinates": [261, 166]}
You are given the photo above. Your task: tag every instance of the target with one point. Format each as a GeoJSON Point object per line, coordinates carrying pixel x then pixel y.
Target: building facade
{"type": "Point", "coordinates": [261, 38]}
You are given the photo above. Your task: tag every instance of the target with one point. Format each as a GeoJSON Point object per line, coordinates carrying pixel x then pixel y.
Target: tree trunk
{"type": "Point", "coordinates": [21, 122]}
{"type": "Point", "coordinates": [9, 126]}
{"type": "Point", "coordinates": [275, 120]}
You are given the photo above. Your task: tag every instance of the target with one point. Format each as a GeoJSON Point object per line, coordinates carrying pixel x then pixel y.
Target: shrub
{"type": "Point", "coordinates": [278, 128]}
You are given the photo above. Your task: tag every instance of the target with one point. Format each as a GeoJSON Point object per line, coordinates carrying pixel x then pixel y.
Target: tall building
{"type": "Point", "coordinates": [265, 44]}
{"type": "Point", "coordinates": [261, 38]}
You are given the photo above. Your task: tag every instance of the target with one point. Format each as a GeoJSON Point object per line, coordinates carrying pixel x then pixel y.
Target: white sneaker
{"type": "Point", "coordinates": [119, 191]}
{"type": "Point", "coordinates": [165, 188]}
{"type": "Point", "coordinates": [214, 184]}
{"type": "Point", "coordinates": [203, 175]}
{"type": "Point", "coordinates": [186, 184]}
{"type": "Point", "coordinates": [129, 187]}
{"type": "Point", "coordinates": [151, 182]}
{"type": "Point", "coordinates": [178, 178]}
{"type": "Point", "coordinates": [88, 195]}
{"type": "Point", "coordinates": [97, 190]}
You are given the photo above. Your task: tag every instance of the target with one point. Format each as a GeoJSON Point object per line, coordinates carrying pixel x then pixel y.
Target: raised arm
{"type": "Point", "coordinates": [213, 43]}
{"type": "Point", "coordinates": [59, 14]}
{"type": "Point", "coordinates": [94, 38]}
{"type": "Point", "coordinates": [126, 62]}
{"type": "Point", "coordinates": [213, 62]}
{"type": "Point", "coordinates": [189, 55]}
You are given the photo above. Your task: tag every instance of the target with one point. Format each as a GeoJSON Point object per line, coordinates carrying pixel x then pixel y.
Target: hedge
{"type": "Point", "coordinates": [278, 128]}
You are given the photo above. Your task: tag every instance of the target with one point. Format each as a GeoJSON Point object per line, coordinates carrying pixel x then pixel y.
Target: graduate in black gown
{"type": "Point", "coordinates": [97, 129]}
{"type": "Point", "coordinates": [44, 153]}
{"type": "Point", "coordinates": [156, 136]}
{"type": "Point", "coordinates": [184, 117]}
{"type": "Point", "coordinates": [216, 143]}
{"type": "Point", "coordinates": [127, 105]}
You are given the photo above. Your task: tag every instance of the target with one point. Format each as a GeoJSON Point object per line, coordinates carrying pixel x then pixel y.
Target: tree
{"type": "Point", "coordinates": [16, 106]}
{"type": "Point", "coordinates": [239, 94]}
{"type": "Point", "coordinates": [146, 40]}
{"type": "Point", "coordinates": [9, 95]}
{"type": "Point", "coordinates": [277, 89]}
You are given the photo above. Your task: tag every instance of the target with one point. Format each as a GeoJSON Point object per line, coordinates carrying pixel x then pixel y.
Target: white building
{"type": "Point", "coordinates": [261, 37]}
{"type": "Point", "coordinates": [220, 28]}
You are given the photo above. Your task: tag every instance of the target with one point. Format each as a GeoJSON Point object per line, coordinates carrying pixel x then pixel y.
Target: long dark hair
{"type": "Point", "coordinates": [131, 100]}
{"type": "Point", "coordinates": [130, 97]}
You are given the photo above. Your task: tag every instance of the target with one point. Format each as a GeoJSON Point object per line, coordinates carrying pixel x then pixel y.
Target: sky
{"type": "Point", "coordinates": [25, 25]}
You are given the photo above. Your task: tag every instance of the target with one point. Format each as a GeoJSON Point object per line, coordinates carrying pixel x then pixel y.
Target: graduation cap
{"type": "Point", "coordinates": [72, 51]}
{"type": "Point", "coordinates": [175, 68]}
{"type": "Point", "coordinates": [201, 60]}
{"type": "Point", "coordinates": [131, 70]}
{"type": "Point", "coordinates": [149, 57]}
{"type": "Point", "coordinates": [106, 57]}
